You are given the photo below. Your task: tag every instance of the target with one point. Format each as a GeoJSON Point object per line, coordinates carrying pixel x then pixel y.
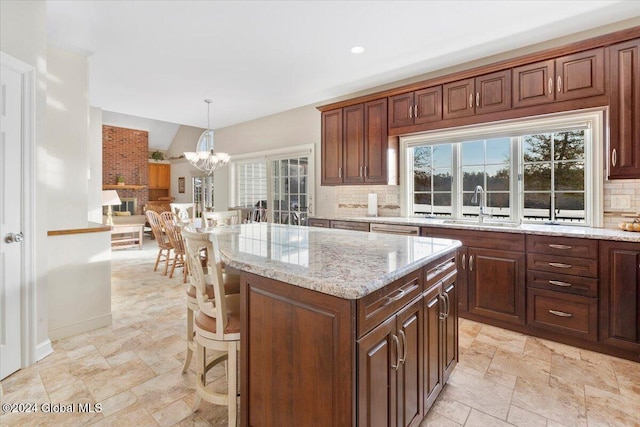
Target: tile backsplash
{"type": "Point", "coordinates": [351, 200]}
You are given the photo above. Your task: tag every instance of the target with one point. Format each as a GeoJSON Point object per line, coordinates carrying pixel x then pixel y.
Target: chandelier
{"type": "Point", "coordinates": [204, 158]}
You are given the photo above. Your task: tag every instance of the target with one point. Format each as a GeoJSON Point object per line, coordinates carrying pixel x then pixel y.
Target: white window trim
{"type": "Point", "coordinates": [266, 156]}
{"type": "Point", "coordinates": [594, 169]}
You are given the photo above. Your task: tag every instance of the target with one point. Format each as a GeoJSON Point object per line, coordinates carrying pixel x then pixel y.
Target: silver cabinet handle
{"type": "Point", "coordinates": [477, 99]}
{"type": "Point", "coordinates": [404, 347]}
{"type": "Point", "coordinates": [410, 111]}
{"type": "Point", "coordinates": [614, 157]}
{"type": "Point", "coordinates": [360, 171]}
{"type": "Point", "coordinates": [550, 85]}
{"type": "Point", "coordinates": [471, 263]}
{"type": "Point", "coordinates": [365, 171]}
{"type": "Point", "coordinates": [415, 111]}
{"type": "Point", "coordinates": [464, 261]}
{"type": "Point", "coordinates": [470, 100]}
{"type": "Point", "coordinates": [554, 246]}
{"type": "Point", "coordinates": [559, 84]}
{"type": "Point", "coordinates": [397, 342]}
{"type": "Point", "coordinates": [560, 265]}
{"type": "Point", "coordinates": [443, 307]}
{"type": "Point", "coordinates": [13, 238]}
{"type": "Point", "coordinates": [396, 297]}
{"type": "Point", "coordinates": [560, 313]}
{"type": "Point", "coordinates": [340, 172]}
{"type": "Point", "coordinates": [560, 283]}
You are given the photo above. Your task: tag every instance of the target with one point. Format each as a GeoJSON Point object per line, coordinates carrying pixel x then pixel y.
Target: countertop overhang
{"type": "Point", "coordinates": [343, 263]}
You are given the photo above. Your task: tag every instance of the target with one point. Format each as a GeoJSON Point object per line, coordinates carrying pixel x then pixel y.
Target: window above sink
{"type": "Point", "coordinates": [546, 169]}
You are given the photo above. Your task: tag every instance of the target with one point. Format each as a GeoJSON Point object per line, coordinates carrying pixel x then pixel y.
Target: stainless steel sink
{"type": "Point", "coordinates": [481, 224]}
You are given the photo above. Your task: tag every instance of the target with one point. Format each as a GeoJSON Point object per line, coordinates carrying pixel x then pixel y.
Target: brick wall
{"type": "Point", "coordinates": [125, 152]}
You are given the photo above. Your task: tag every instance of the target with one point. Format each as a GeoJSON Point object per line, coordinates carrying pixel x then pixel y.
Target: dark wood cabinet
{"type": "Point", "coordinates": [575, 76]}
{"type": "Point", "coordinates": [318, 222]}
{"type": "Point", "coordinates": [349, 225]}
{"type": "Point", "coordinates": [624, 110]}
{"type": "Point", "coordinates": [496, 284]}
{"type": "Point", "coordinates": [331, 147]}
{"type": "Point", "coordinates": [354, 144]}
{"type": "Point", "coordinates": [484, 94]}
{"type": "Point", "coordinates": [422, 106]}
{"type": "Point", "coordinates": [620, 295]}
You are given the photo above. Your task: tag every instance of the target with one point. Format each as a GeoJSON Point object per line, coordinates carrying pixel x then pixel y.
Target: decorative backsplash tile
{"type": "Point", "coordinates": [352, 200]}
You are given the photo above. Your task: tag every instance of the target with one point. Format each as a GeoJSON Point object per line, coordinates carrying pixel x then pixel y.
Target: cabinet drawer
{"type": "Point", "coordinates": [565, 246]}
{"type": "Point", "coordinates": [374, 308]}
{"type": "Point", "coordinates": [315, 222]}
{"type": "Point", "coordinates": [439, 271]}
{"type": "Point", "coordinates": [565, 313]}
{"type": "Point", "coordinates": [563, 265]}
{"type": "Point", "coordinates": [350, 225]}
{"type": "Point", "coordinates": [563, 283]}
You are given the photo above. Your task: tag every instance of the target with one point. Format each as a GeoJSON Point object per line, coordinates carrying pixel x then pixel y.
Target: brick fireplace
{"type": "Point", "coordinates": [125, 152]}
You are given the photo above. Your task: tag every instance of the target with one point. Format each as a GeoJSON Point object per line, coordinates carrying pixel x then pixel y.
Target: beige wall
{"type": "Point", "coordinates": [23, 26]}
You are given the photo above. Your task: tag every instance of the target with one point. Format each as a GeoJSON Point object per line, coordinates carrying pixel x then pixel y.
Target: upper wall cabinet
{"type": "Point", "coordinates": [624, 110]}
{"type": "Point", "coordinates": [421, 106]}
{"type": "Point", "coordinates": [354, 144]}
{"type": "Point", "coordinates": [484, 94]}
{"type": "Point", "coordinates": [569, 77]}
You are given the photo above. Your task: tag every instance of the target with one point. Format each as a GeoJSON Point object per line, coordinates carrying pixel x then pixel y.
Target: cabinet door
{"type": "Point", "coordinates": [496, 284]}
{"type": "Point", "coordinates": [377, 352]}
{"type": "Point", "coordinates": [493, 92]}
{"type": "Point", "coordinates": [620, 294]}
{"type": "Point", "coordinates": [624, 110]}
{"type": "Point", "coordinates": [401, 110]}
{"type": "Point", "coordinates": [154, 176]}
{"type": "Point", "coordinates": [164, 176]}
{"type": "Point", "coordinates": [433, 308]}
{"type": "Point", "coordinates": [533, 84]}
{"type": "Point", "coordinates": [449, 328]}
{"type": "Point", "coordinates": [580, 75]}
{"type": "Point", "coordinates": [410, 377]}
{"type": "Point", "coordinates": [376, 137]}
{"type": "Point", "coordinates": [459, 98]}
{"type": "Point", "coordinates": [428, 105]}
{"type": "Point", "coordinates": [353, 144]}
{"type": "Point", "coordinates": [332, 147]}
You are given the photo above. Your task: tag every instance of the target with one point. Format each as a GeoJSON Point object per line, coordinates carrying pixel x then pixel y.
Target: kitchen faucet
{"type": "Point", "coordinates": [479, 192]}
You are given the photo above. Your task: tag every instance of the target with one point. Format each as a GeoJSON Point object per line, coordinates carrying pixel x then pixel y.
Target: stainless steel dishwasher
{"type": "Point", "coordinates": [406, 230]}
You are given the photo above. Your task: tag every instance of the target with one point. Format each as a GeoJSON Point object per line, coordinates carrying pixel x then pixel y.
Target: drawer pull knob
{"type": "Point", "coordinates": [554, 246]}
{"type": "Point", "coordinates": [560, 313]}
{"type": "Point", "coordinates": [559, 265]}
{"type": "Point", "coordinates": [559, 283]}
{"type": "Point", "coordinates": [399, 295]}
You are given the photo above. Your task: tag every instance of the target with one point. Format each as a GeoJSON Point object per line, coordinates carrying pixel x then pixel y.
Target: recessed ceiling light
{"type": "Point", "coordinates": [357, 49]}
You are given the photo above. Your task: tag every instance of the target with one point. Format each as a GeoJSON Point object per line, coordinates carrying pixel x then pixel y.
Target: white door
{"type": "Point", "coordinates": [11, 250]}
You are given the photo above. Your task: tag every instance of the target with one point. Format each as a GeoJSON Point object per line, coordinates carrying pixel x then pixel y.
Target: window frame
{"type": "Point", "coordinates": [515, 129]}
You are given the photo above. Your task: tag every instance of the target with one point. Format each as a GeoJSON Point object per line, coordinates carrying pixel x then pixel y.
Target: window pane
{"type": "Point", "coordinates": [473, 153]}
{"type": "Point", "coordinates": [421, 181]}
{"type": "Point", "coordinates": [537, 205]}
{"type": "Point", "coordinates": [569, 145]}
{"type": "Point", "coordinates": [442, 156]}
{"type": "Point", "coordinates": [537, 148]}
{"type": "Point", "coordinates": [422, 198]}
{"type": "Point", "coordinates": [498, 150]}
{"type": "Point", "coordinates": [442, 199]}
{"type": "Point", "coordinates": [471, 177]}
{"type": "Point", "coordinates": [422, 157]}
{"type": "Point", "coordinates": [442, 180]}
{"type": "Point", "coordinates": [570, 206]}
{"type": "Point", "coordinates": [537, 177]}
{"type": "Point", "coordinates": [569, 176]}
{"type": "Point", "coordinates": [498, 200]}
{"type": "Point", "coordinates": [497, 178]}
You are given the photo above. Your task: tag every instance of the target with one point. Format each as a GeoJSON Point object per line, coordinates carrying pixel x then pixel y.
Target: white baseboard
{"type": "Point", "coordinates": [80, 327]}
{"type": "Point", "coordinates": [43, 350]}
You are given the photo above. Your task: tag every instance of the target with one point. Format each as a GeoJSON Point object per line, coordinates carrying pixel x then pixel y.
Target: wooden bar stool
{"type": "Point", "coordinates": [217, 323]}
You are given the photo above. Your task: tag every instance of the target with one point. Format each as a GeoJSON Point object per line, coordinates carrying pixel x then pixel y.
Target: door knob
{"type": "Point", "coordinates": [13, 238]}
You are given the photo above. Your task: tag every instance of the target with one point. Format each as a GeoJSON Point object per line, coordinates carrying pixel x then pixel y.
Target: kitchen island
{"type": "Point", "coordinates": [342, 327]}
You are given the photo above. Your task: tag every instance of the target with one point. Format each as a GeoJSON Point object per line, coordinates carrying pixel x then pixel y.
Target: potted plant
{"type": "Point", "coordinates": [120, 180]}
{"type": "Point", "coordinates": [157, 156]}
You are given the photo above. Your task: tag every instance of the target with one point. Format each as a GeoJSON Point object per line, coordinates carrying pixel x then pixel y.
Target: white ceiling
{"type": "Point", "coordinates": [161, 59]}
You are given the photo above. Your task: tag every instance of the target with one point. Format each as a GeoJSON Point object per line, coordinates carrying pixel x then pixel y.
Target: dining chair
{"type": "Point", "coordinates": [186, 212]}
{"type": "Point", "coordinates": [218, 218]}
{"type": "Point", "coordinates": [157, 228]}
{"type": "Point", "coordinates": [217, 323]}
{"type": "Point", "coordinates": [174, 233]}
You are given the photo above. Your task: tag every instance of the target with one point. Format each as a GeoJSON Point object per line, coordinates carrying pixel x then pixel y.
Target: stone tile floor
{"type": "Point", "coordinates": [133, 369]}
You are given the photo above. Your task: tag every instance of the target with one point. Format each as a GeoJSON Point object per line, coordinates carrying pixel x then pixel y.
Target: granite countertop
{"type": "Point", "coordinates": [538, 229]}
{"type": "Point", "coordinates": [344, 263]}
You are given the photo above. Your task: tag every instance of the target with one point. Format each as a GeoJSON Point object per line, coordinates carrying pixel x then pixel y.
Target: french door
{"type": "Point", "coordinates": [290, 186]}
